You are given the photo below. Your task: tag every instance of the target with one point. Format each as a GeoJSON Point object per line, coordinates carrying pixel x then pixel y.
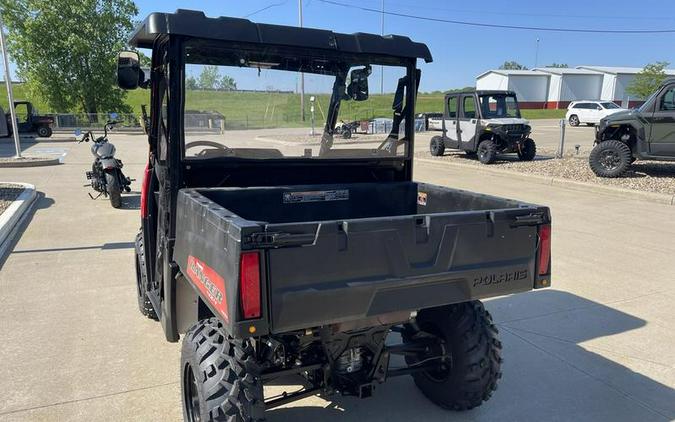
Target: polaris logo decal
{"type": "Point", "coordinates": [209, 283]}
{"type": "Point", "coordinates": [500, 278]}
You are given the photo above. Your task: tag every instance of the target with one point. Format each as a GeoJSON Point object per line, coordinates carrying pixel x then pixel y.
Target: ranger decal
{"type": "Point", "coordinates": [209, 283]}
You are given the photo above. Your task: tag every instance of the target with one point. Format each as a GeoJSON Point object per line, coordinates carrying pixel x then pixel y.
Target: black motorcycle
{"type": "Point", "coordinates": [106, 175]}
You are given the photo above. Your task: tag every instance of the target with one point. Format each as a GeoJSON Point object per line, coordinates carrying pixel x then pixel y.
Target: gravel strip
{"type": "Point", "coordinates": [8, 193]}
{"type": "Point", "coordinates": [650, 176]}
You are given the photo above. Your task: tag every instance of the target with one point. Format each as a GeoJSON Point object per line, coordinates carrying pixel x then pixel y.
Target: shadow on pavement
{"type": "Point", "coordinates": [548, 374]}
{"type": "Point", "coordinates": [41, 202]}
{"type": "Point", "coordinates": [646, 168]}
{"type": "Point", "coordinates": [105, 246]}
{"type": "Point", "coordinates": [131, 201]}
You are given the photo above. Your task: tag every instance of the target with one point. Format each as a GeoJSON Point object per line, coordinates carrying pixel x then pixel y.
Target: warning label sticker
{"type": "Point", "coordinates": [316, 196]}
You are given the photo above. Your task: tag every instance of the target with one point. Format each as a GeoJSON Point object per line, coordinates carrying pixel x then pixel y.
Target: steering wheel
{"type": "Point", "coordinates": [213, 144]}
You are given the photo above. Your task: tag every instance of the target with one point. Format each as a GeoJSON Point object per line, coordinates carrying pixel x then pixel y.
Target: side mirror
{"type": "Point", "coordinates": [129, 73]}
{"type": "Point", "coordinates": [357, 89]}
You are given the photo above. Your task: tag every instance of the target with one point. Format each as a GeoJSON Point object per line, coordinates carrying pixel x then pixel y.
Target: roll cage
{"type": "Point", "coordinates": [293, 49]}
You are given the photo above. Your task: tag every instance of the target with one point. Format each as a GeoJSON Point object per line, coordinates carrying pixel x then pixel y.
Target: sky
{"type": "Point", "coordinates": [463, 52]}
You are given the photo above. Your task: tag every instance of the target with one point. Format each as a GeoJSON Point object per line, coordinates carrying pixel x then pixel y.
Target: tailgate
{"type": "Point", "coordinates": [328, 272]}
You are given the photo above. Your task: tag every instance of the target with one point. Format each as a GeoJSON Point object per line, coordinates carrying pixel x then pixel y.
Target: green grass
{"type": "Point", "coordinates": [280, 109]}
{"type": "Point", "coordinates": [543, 114]}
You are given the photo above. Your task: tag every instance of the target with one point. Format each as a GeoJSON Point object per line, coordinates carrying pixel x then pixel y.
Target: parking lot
{"type": "Point", "coordinates": [598, 345]}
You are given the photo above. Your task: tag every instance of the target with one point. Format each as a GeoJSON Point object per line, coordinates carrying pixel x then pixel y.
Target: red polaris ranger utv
{"type": "Point", "coordinates": [321, 259]}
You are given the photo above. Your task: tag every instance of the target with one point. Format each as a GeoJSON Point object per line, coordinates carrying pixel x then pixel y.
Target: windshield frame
{"type": "Point", "coordinates": [350, 60]}
{"type": "Point", "coordinates": [499, 94]}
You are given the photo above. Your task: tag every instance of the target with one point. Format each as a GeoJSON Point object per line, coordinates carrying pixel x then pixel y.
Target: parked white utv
{"type": "Point", "coordinates": [485, 123]}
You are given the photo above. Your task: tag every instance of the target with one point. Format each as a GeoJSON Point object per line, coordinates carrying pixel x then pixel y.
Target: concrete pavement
{"type": "Point", "coordinates": [599, 345]}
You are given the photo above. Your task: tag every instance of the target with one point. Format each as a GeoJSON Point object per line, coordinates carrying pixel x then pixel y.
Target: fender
{"type": "Point", "coordinates": [109, 164]}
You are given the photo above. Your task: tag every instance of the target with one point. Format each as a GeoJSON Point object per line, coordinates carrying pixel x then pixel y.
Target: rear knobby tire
{"type": "Point", "coordinates": [610, 159]}
{"type": "Point", "coordinates": [487, 152]}
{"type": "Point", "coordinates": [467, 331]}
{"type": "Point", "coordinates": [144, 304]}
{"type": "Point", "coordinates": [220, 377]}
{"type": "Point", "coordinates": [114, 190]}
{"type": "Point", "coordinates": [528, 150]}
{"type": "Point", "coordinates": [437, 146]}
{"type": "Point", "coordinates": [346, 133]}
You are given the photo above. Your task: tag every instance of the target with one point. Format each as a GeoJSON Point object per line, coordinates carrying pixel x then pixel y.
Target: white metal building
{"type": "Point", "coordinates": [567, 84]}
{"type": "Point", "coordinates": [615, 81]}
{"type": "Point", "coordinates": [530, 86]}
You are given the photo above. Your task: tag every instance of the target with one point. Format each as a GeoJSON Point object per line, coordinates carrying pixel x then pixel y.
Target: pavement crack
{"type": "Point", "coordinates": [102, 396]}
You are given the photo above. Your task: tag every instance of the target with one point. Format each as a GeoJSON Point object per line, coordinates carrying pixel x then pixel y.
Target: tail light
{"type": "Point", "coordinates": [544, 251]}
{"type": "Point", "coordinates": [249, 284]}
{"type": "Point", "coordinates": [144, 191]}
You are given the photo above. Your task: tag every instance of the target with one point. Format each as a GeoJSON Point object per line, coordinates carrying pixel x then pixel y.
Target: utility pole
{"type": "Point", "coordinates": [10, 94]}
{"type": "Point", "coordinates": [302, 75]}
{"type": "Point", "coordinates": [536, 54]}
{"type": "Point", "coordinates": [382, 67]}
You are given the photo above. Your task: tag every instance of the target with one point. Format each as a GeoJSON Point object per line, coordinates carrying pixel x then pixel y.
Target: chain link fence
{"type": "Point", "coordinates": [196, 121]}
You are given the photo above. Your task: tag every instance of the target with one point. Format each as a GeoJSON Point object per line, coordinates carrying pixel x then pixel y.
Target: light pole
{"type": "Point", "coordinates": [536, 54]}
{"type": "Point", "coordinates": [311, 110]}
{"type": "Point", "coordinates": [302, 75]}
{"type": "Point", "coordinates": [10, 94]}
{"type": "Point", "coordinates": [382, 67]}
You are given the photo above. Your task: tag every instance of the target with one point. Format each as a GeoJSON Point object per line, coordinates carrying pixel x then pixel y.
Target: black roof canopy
{"type": "Point", "coordinates": [196, 24]}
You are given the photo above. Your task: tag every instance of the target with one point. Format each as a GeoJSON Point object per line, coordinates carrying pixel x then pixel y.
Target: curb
{"type": "Point", "coordinates": [30, 163]}
{"type": "Point", "coordinates": [14, 216]}
{"type": "Point", "coordinates": [660, 198]}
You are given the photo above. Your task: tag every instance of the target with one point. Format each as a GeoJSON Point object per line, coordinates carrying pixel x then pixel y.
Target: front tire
{"type": "Point", "coordinates": [487, 152]}
{"type": "Point", "coordinates": [574, 120]}
{"type": "Point", "coordinates": [436, 146]}
{"type": "Point", "coordinates": [528, 150]}
{"type": "Point", "coordinates": [467, 332]}
{"type": "Point", "coordinates": [346, 133]}
{"type": "Point", "coordinates": [610, 159]}
{"type": "Point", "coordinates": [114, 190]}
{"type": "Point", "coordinates": [220, 378]}
{"type": "Point", "coordinates": [44, 131]}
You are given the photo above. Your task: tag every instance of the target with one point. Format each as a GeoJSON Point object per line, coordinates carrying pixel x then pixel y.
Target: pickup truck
{"type": "Point", "coordinates": [319, 259]}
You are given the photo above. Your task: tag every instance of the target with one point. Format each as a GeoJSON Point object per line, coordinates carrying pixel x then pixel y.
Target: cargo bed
{"type": "Point", "coordinates": [336, 253]}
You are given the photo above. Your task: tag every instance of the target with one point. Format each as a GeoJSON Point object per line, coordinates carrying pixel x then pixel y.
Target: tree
{"type": "Point", "coordinates": [227, 83]}
{"type": "Point", "coordinates": [208, 79]}
{"type": "Point", "coordinates": [191, 83]}
{"type": "Point", "coordinates": [66, 51]}
{"type": "Point", "coordinates": [558, 65]}
{"type": "Point", "coordinates": [647, 80]}
{"type": "Point", "coordinates": [512, 65]}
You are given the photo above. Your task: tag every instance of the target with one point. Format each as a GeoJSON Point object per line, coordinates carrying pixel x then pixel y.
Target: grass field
{"type": "Point", "coordinates": [281, 109]}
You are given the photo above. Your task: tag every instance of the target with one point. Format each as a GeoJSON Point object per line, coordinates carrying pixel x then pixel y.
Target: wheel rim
{"type": "Point", "coordinates": [610, 159]}
{"type": "Point", "coordinates": [482, 151]}
{"type": "Point", "coordinates": [190, 395]}
{"type": "Point", "coordinates": [434, 147]}
{"type": "Point", "coordinates": [574, 120]}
